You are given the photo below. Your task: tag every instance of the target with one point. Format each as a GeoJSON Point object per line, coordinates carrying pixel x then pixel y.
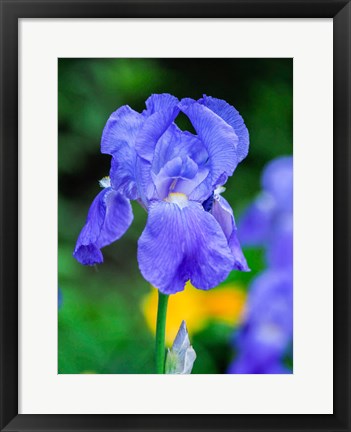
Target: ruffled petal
{"type": "Point", "coordinates": [180, 242]}
{"type": "Point", "coordinates": [223, 214]}
{"type": "Point", "coordinates": [231, 116]}
{"type": "Point", "coordinates": [121, 128]}
{"type": "Point", "coordinates": [118, 140]}
{"type": "Point", "coordinates": [218, 138]}
{"type": "Point", "coordinates": [129, 135]}
{"type": "Point", "coordinates": [109, 217]}
{"type": "Point", "coordinates": [161, 111]}
{"type": "Point", "coordinates": [160, 102]}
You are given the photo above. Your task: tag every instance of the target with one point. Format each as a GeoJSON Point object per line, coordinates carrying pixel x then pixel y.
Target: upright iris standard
{"type": "Point", "coordinates": [177, 177]}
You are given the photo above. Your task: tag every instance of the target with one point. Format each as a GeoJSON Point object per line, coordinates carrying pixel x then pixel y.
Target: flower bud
{"type": "Point", "coordinates": [180, 358]}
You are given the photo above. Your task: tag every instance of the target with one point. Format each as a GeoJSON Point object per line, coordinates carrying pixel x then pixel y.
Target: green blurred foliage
{"type": "Point", "coordinates": [101, 326]}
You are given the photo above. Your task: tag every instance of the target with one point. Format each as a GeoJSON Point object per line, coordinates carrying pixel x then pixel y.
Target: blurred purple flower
{"type": "Point", "coordinates": [268, 221]}
{"type": "Point", "coordinates": [177, 177]}
{"type": "Point", "coordinates": [249, 365]}
{"type": "Point", "coordinates": [268, 324]}
{"type": "Point", "coordinates": [267, 328]}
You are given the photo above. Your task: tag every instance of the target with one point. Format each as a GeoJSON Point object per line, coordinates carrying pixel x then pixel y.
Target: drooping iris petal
{"type": "Point", "coordinates": [161, 110]}
{"type": "Point", "coordinates": [180, 242]}
{"type": "Point", "coordinates": [277, 180]}
{"type": "Point", "coordinates": [223, 214]}
{"type": "Point", "coordinates": [218, 137]}
{"type": "Point", "coordinates": [110, 215]}
{"type": "Point", "coordinates": [123, 171]}
{"type": "Point", "coordinates": [231, 116]}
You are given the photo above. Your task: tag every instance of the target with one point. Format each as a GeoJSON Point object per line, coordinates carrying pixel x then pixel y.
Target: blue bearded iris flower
{"type": "Point", "coordinates": [177, 177]}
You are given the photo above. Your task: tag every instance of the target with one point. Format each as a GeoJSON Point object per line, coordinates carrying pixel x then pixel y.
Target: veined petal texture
{"type": "Point", "coordinates": [129, 135]}
{"type": "Point", "coordinates": [180, 242]}
{"type": "Point", "coordinates": [231, 116]}
{"type": "Point", "coordinates": [161, 110]}
{"type": "Point", "coordinates": [118, 140]}
{"type": "Point", "coordinates": [219, 138]}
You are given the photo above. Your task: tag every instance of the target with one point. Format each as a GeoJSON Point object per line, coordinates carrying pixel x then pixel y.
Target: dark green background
{"type": "Point", "coordinates": [101, 326]}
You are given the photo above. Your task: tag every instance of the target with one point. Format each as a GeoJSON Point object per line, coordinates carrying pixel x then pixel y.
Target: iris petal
{"type": "Point", "coordinates": [161, 110]}
{"type": "Point", "coordinates": [118, 140]}
{"type": "Point", "coordinates": [182, 242]}
{"type": "Point", "coordinates": [176, 170]}
{"type": "Point", "coordinates": [109, 217]}
{"type": "Point", "coordinates": [123, 171]}
{"type": "Point", "coordinates": [160, 102]}
{"type": "Point", "coordinates": [218, 137]}
{"type": "Point", "coordinates": [122, 127]}
{"type": "Point", "coordinates": [128, 135]}
{"type": "Point", "coordinates": [223, 213]}
{"type": "Point", "coordinates": [231, 116]}
{"type": "Point", "coordinates": [175, 142]}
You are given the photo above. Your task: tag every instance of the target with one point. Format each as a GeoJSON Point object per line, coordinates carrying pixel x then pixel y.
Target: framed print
{"type": "Point", "coordinates": [175, 201]}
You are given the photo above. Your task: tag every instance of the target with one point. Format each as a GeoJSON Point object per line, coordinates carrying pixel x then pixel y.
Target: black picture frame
{"type": "Point", "coordinates": [11, 12]}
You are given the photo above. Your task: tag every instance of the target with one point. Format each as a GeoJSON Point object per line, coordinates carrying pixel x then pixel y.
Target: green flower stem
{"type": "Point", "coordinates": [160, 332]}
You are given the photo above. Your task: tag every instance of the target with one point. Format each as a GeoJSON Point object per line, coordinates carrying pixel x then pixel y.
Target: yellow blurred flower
{"type": "Point", "coordinates": [196, 308]}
